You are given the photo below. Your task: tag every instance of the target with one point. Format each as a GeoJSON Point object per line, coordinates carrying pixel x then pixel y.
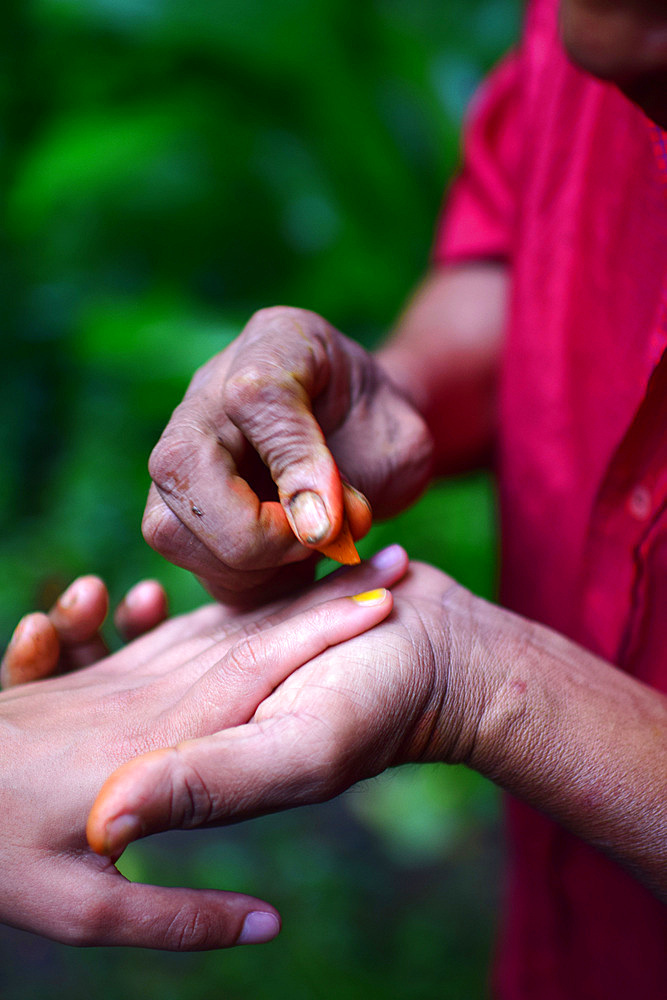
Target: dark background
{"type": "Point", "coordinates": [168, 167]}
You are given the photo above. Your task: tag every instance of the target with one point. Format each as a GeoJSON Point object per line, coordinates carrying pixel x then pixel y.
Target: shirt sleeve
{"type": "Point", "coordinates": [478, 216]}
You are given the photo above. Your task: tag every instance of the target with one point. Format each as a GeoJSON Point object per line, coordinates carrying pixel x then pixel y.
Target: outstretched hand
{"type": "Point", "coordinates": [395, 695]}
{"type": "Point", "coordinates": [61, 738]}
{"type": "Point", "coordinates": [69, 635]}
{"type": "Point", "coordinates": [290, 429]}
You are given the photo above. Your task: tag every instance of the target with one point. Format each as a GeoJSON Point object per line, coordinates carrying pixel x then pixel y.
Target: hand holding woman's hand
{"type": "Point", "coordinates": [447, 677]}
{"type": "Point", "coordinates": [400, 693]}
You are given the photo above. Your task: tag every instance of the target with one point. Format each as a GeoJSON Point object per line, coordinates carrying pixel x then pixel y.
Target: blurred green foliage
{"type": "Point", "coordinates": [166, 168]}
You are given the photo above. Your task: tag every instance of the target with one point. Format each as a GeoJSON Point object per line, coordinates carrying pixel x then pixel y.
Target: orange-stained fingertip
{"type": "Point", "coordinates": [104, 834]}
{"type": "Point", "coordinates": [110, 837]}
{"type": "Point", "coordinates": [33, 651]}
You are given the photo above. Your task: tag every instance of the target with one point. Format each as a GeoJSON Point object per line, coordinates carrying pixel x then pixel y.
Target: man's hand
{"type": "Point", "coordinates": [447, 678]}
{"type": "Point", "coordinates": [279, 437]}
{"type": "Point", "coordinates": [60, 739]}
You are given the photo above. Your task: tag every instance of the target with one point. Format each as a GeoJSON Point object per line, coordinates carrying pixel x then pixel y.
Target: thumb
{"type": "Point", "coordinates": [191, 784]}
{"type": "Point", "coordinates": [233, 775]}
{"type": "Point", "coordinates": [113, 911]}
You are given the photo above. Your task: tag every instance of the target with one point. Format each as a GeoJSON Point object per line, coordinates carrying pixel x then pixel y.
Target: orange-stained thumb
{"type": "Point", "coordinates": [110, 827]}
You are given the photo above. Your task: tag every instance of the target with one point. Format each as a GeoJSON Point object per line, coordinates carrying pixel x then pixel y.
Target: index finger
{"type": "Point", "coordinates": [195, 470]}
{"type": "Point", "coordinates": [286, 360]}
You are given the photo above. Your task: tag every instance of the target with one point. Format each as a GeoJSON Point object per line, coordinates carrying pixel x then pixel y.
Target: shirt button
{"type": "Point", "coordinates": [639, 503]}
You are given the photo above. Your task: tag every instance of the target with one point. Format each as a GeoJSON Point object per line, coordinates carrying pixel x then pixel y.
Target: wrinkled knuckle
{"type": "Point", "coordinates": [158, 462]}
{"type": "Point", "coordinates": [292, 459]}
{"type": "Point", "coordinates": [290, 325]}
{"type": "Point", "coordinates": [246, 389]}
{"type": "Point", "coordinates": [159, 527]}
{"type": "Point", "coordinates": [169, 459]}
{"type": "Point", "coordinates": [243, 657]}
{"type": "Point", "coordinates": [192, 805]}
{"type": "Point", "coordinates": [268, 316]}
{"type": "Point", "coordinates": [189, 930]}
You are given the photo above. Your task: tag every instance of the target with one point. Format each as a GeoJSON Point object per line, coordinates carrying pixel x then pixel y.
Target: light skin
{"type": "Point", "coordinates": [69, 635]}
{"type": "Point", "coordinates": [61, 738]}
{"type": "Point", "coordinates": [446, 678]}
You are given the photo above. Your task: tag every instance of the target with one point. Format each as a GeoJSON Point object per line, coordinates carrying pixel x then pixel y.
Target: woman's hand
{"type": "Point", "coordinates": [282, 435]}
{"type": "Point", "coordinates": [61, 738]}
{"type": "Point", "coordinates": [68, 636]}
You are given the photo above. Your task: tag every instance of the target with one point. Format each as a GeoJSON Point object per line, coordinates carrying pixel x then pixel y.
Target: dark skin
{"type": "Point", "coordinates": [624, 42]}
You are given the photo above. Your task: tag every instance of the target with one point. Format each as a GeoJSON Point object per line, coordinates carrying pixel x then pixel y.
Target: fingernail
{"type": "Point", "coordinates": [138, 595]}
{"type": "Point", "coordinates": [70, 597]}
{"type": "Point", "coordinates": [30, 628]}
{"type": "Point", "coordinates": [121, 831]}
{"type": "Point", "coordinates": [348, 488]}
{"type": "Point", "coordinates": [386, 558]}
{"type": "Point", "coordinates": [21, 630]}
{"type": "Point", "coordinates": [370, 597]}
{"type": "Point", "coordinates": [309, 516]}
{"type": "Point", "coordinates": [259, 927]}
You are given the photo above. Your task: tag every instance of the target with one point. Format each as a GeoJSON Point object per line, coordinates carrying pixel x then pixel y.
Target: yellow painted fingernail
{"type": "Point", "coordinates": [371, 596]}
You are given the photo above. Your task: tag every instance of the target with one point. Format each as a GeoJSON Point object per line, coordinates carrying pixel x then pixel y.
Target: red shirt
{"type": "Point", "coordinates": [567, 180]}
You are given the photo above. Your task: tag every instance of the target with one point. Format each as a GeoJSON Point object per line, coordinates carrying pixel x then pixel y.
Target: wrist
{"type": "Point", "coordinates": [463, 688]}
{"type": "Point", "coordinates": [578, 739]}
{"type": "Point", "coordinates": [403, 367]}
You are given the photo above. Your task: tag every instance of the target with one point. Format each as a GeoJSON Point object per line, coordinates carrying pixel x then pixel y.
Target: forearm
{"type": "Point", "coordinates": [581, 741]}
{"type": "Point", "coordinates": [444, 354]}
